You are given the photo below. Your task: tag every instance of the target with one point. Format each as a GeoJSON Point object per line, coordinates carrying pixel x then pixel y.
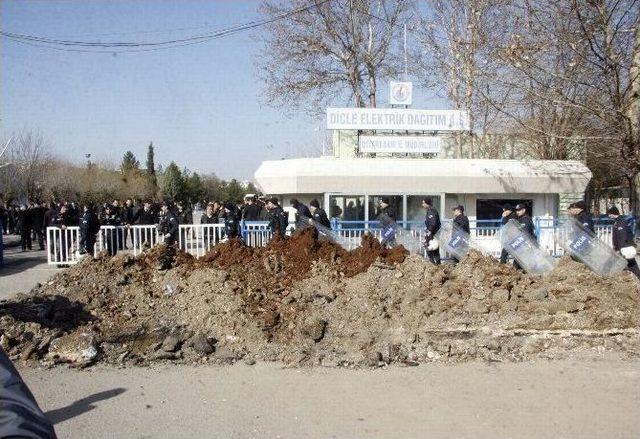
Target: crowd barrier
{"type": "Point", "coordinates": [198, 239]}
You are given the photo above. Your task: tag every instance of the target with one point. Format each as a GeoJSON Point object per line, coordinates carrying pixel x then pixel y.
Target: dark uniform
{"type": "Point", "coordinates": [251, 212]}
{"type": "Point", "coordinates": [463, 222]}
{"type": "Point", "coordinates": [168, 228]}
{"type": "Point", "coordinates": [232, 222]}
{"type": "Point", "coordinates": [432, 224]}
{"type": "Point", "coordinates": [39, 225]}
{"type": "Point", "coordinates": [112, 236]}
{"type": "Point", "coordinates": [320, 217]}
{"type": "Point", "coordinates": [128, 218]}
{"type": "Point", "coordinates": [387, 218]}
{"type": "Point", "coordinates": [25, 218]}
{"type": "Point", "coordinates": [278, 220]}
{"type": "Point", "coordinates": [623, 237]}
{"type": "Point", "coordinates": [145, 217]}
{"type": "Point", "coordinates": [586, 221]}
{"type": "Point", "coordinates": [208, 234]}
{"type": "Point", "coordinates": [89, 228]}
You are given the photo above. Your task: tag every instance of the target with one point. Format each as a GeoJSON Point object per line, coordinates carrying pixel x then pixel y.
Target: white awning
{"type": "Point", "coordinates": [392, 175]}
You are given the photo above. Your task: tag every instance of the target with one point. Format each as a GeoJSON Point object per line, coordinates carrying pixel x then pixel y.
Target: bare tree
{"type": "Point", "coordinates": [27, 156]}
{"type": "Point", "coordinates": [571, 68]}
{"type": "Point", "coordinates": [330, 49]}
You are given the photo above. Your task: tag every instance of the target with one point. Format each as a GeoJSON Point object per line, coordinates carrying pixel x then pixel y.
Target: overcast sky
{"type": "Point", "coordinates": [199, 104]}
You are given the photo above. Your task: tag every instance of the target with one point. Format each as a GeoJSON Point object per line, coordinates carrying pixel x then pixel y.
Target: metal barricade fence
{"type": "Point", "coordinates": [255, 233]}
{"type": "Point", "coordinates": [198, 239]}
{"type": "Point", "coordinates": [144, 237]}
{"type": "Point", "coordinates": [62, 245]}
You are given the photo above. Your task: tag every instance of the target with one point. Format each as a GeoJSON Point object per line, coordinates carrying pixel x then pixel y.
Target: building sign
{"type": "Point", "coordinates": [400, 144]}
{"type": "Point", "coordinates": [400, 93]}
{"type": "Point", "coordinates": [396, 119]}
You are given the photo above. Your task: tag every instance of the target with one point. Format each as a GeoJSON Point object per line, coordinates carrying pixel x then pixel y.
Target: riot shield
{"type": "Point", "coordinates": [394, 235]}
{"type": "Point", "coordinates": [583, 245]}
{"type": "Point", "coordinates": [453, 240]}
{"type": "Point", "coordinates": [524, 249]}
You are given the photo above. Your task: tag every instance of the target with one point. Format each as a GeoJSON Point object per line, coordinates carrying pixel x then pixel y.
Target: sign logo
{"type": "Point", "coordinates": [400, 93]}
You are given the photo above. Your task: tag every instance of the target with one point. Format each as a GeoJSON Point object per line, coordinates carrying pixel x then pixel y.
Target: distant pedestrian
{"type": "Point", "coordinates": [432, 226]}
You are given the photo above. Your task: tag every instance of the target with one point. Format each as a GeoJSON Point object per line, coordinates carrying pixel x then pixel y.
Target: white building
{"type": "Point", "coordinates": [351, 182]}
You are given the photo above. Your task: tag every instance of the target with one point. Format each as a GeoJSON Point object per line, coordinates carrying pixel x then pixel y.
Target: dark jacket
{"type": "Point", "coordinates": [49, 216]}
{"type": "Point", "coordinates": [388, 212]}
{"type": "Point", "coordinates": [302, 211]}
{"type": "Point", "coordinates": [20, 416]}
{"type": "Point", "coordinates": [526, 224]}
{"type": "Point", "coordinates": [432, 221]}
{"type": "Point", "coordinates": [169, 225]}
{"type": "Point", "coordinates": [279, 220]}
{"type": "Point", "coordinates": [112, 219]}
{"type": "Point", "coordinates": [320, 217]}
{"type": "Point", "coordinates": [145, 218]}
{"type": "Point", "coordinates": [205, 219]}
{"type": "Point", "coordinates": [38, 213]}
{"type": "Point", "coordinates": [622, 234]}
{"type": "Point", "coordinates": [586, 221]}
{"type": "Point", "coordinates": [129, 214]}
{"type": "Point", "coordinates": [63, 220]}
{"type": "Point", "coordinates": [505, 219]}
{"type": "Point", "coordinates": [89, 224]}
{"type": "Point", "coordinates": [251, 212]}
{"type": "Point", "coordinates": [232, 224]}
{"type": "Point", "coordinates": [463, 222]}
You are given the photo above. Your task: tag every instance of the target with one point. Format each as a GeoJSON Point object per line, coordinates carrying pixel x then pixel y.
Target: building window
{"type": "Point", "coordinates": [492, 209]}
{"type": "Point", "coordinates": [347, 207]}
{"type": "Point", "coordinates": [395, 203]}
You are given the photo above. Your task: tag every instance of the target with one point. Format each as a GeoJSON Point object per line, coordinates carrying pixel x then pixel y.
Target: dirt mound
{"type": "Point", "coordinates": [301, 301]}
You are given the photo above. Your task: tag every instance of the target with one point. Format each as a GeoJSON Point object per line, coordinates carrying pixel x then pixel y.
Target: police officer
{"type": "Point", "coordinates": [579, 211]}
{"type": "Point", "coordinates": [318, 214]}
{"type": "Point", "coordinates": [112, 235]}
{"type": "Point", "coordinates": [460, 220]}
{"type": "Point", "coordinates": [25, 219]}
{"type": "Point", "coordinates": [231, 220]}
{"type": "Point", "coordinates": [145, 216]}
{"type": "Point", "coordinates": [432, 225]}
{"type": "Point", "coordinates": [62, 220]}
{"type": "Point", "coordinates": [387, 218]}
{"type": "Point", "coordinates": [302, 213]}
{"type": "Point", "coordinates": [507, 214]}
{"type": "Point", "coordinates": [623, 240]}
{"type": "Point", "coordinates": [278, 219]}
{"type": "Point", "coordinates": [526, 225]}
{"type": "Point", "coordinates": [251, 211]}
{"type": "Point", "coordinates": [89, 228]}
{"type": "Point", "coordinates": [168, 228]}
{"type": "Point", "coordinates": [386, 209]}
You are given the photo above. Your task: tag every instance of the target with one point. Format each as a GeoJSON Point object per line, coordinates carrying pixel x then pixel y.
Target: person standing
{"type": "Point", "coordinates": [278, 218]}
{"type": "Point", "coordinates": [318, 214]}
{"type": "Point", "coordinates": [579, 211]}
{"type": "Point", "coordinates": [462, 221]}
{"type": "Point", "coordinates": [526, 225]}
{"type": "Point", "coordinates": [251, 211]}
{"type": "Point", "coordinates": [231, 220]}
{"type": "Point", "coordinates": [128, 219]}
{"type": "Point", "coordinates": [302, 213]}
{"type": "Point", "coordinates": [507, 214]}
{"type": "Point", "coordinates": [89, 228]}
{"type": "Point", "coordinates": [623, 240]}
{"type": "Point", "coordinates": [112, 234]}
{"type": "Point", "coordinates": [432, 225]}
{"type": "Point", "coordinates": [168, 228]}
{"type": "Point", "coordinates": [25, 219]}
{"type": "Point", "coordinates": [145, 216]}
{"type": "Point", "coordinates": [209, 217]}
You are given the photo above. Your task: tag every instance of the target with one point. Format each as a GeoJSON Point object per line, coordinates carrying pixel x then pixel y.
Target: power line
{"type": "Point", "coordinates": [87, 46]}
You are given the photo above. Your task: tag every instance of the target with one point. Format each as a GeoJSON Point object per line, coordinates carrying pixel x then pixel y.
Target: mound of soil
{"type": "Point", "coordinates": [303, 301]}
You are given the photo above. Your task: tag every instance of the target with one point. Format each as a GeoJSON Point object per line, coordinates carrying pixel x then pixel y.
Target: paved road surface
{"type": "Point", "coordinates": [560, 399]}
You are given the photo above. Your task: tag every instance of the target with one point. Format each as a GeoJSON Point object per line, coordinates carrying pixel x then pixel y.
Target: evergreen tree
{"type": "Point", "coordinates": [151, 168]}
{"type": "Point", "coordinates": [172, 184]}
{"type": "Point", "coordinates": [129, 163]}
{"type": "Point", "coordinates": [234, 191]}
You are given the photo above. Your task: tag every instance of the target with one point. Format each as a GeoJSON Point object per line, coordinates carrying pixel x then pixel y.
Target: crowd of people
{"type": "Point", "coordinates": [31, 220]}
